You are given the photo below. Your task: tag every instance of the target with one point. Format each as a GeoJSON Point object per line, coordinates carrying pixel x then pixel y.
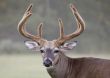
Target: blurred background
{"type": "Point", "coordinates": [16, 61]}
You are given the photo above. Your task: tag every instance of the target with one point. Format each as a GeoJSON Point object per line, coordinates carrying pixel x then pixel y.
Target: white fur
{"type": "Point", "coordinates": [32, 45]}
{"type": "Point", "coordinates": [68, 46]}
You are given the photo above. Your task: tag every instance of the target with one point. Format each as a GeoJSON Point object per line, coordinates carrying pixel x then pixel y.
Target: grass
{"type": "Point", "coordinates": [22, 66]}
{"type": "Point", "coordinates": [25, 66]}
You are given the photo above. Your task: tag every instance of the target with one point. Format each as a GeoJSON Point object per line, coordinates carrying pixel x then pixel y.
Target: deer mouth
{"type": "Point", "coordinates": [47, 63]}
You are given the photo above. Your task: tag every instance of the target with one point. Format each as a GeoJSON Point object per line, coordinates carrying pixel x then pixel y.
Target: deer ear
{"type": "Point", "coordinates": [32, 45]}
{"type": "Point", "coordinates": [69, 46]}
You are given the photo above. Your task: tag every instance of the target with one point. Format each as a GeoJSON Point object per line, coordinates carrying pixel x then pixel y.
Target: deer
{"type": "Point", "coordinates": [59, 65]}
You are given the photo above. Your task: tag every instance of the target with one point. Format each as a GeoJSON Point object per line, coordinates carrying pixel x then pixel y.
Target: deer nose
{"type": "Point", "coordinates": [47, 63]}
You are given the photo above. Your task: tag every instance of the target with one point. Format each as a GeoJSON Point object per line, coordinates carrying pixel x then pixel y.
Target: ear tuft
{"type": "Point", "coordinates": [32, 45]}
{"type": "Point", "coordinates": [69, 46]}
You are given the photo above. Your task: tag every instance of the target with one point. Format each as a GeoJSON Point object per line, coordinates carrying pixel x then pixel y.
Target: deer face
{"type": "Point", "coordinates": [49, 51]}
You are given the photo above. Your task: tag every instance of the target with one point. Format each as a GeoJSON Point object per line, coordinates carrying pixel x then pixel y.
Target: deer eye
{"type": "Point", "coordinates": [56, 51]}
{"type": "Point", "coordinates": [42, 51]}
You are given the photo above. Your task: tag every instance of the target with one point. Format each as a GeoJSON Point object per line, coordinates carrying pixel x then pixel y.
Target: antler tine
{"type": "Point", "coordinates": [80, 23]}
{"type": "Point", "coordinates": [80, 27]}
{"type": "Point", "coordinates": [77, 16]}
{"type": "Point", "coordinates": [29, 8]}
{"type": "Point", "coordinates": [21, 26]}
{"type": "Point", "coordinates": [23, 22]}
{"type": "Point", "coordinates": [39, 29]}
{"type": "Point", "coordinates": [61, 26]}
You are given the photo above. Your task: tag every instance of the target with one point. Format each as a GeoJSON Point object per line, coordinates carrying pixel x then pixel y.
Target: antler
{"type": "Point", "coordinates": [21, 27]}
{"type": "Point", "coordinates": [80, 27]}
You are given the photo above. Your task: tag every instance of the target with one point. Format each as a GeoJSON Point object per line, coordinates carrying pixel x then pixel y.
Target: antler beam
{"type": "Point", "coordinates": [22, 24]}
{"type": "Point", "coordinates": [80, 27]}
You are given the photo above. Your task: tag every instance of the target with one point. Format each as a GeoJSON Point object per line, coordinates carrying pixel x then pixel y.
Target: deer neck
{"type": "Point", "coordinates": [59, 70]}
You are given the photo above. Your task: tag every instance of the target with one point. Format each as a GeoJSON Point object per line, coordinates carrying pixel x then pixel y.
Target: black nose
{"type": "Point", "coordinates": [47, 63]}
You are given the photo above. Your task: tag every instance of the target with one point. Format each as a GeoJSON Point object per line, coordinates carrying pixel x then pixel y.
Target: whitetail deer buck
{"type": "Point", "coordinates": [58, 65]}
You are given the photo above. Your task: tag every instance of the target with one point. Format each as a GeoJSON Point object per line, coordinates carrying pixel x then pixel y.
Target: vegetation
{"type": "Point", "coordinates": [25, 66]}
{"type": "Point", "coordinates": [95, 39]}
{"type": "Point", "coordinates": [16, 61]}
{"type": "Point", "coordinates": [22, 67]}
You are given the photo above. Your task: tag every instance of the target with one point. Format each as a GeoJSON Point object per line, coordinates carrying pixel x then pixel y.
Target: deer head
{"type": "Point", "coordinates": [50, 50]}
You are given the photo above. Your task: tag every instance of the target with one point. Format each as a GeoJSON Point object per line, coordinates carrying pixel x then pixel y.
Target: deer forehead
{"type": "Point", "coordinates": [49, 44]}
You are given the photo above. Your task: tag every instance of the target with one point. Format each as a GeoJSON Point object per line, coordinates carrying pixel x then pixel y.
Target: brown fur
{"type": "Point", "coordinates": [80, 68]}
